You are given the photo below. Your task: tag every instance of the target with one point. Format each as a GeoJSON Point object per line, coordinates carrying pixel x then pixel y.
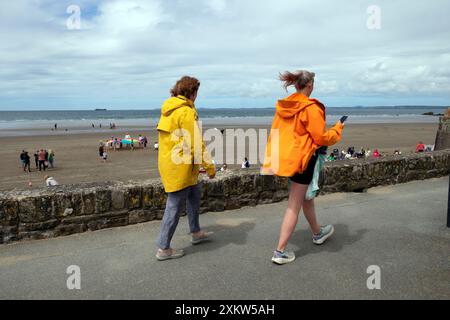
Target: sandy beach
{"type": "Point", "coordinates": [76, 155]}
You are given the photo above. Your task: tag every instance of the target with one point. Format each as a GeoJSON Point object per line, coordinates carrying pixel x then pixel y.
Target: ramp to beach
{"type": "Point", "coordinates": [401, 229]}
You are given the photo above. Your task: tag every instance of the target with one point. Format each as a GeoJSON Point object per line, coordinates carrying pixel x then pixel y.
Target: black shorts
{"type": "Point", "coordinates": [307, 176]}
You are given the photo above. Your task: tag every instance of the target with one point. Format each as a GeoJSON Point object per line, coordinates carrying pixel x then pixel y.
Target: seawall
{"type": "Point", "coordinates": [64, 210]}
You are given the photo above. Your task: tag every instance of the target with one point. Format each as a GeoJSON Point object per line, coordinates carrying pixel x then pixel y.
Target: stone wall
{"type": "Point", "coordinates": [443, 134]}
{"type": "Point", "coordinates": [65, 210]}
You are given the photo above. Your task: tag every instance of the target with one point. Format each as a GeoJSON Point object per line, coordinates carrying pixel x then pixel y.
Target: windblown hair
{"type": "Point", "coordinates": [299, 79]}
{"type": "Point", "coordinates": [186, 86]}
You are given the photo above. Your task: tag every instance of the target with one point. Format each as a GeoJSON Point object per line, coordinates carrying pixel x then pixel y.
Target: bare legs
{"type": "Point", "coordinates": [295, 203]}
{"type": "Point", "coordinates": [310, 214]}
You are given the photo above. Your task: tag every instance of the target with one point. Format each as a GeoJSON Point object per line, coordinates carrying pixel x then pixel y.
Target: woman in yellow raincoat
{"type": "Point", "coordinates": [181, 153]}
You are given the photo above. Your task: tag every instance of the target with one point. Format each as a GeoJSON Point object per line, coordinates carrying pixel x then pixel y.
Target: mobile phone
{"type": "Point", "coordinates": [343, 119]}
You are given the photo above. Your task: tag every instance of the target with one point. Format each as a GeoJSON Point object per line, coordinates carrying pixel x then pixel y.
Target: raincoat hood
{"type": "Point", "coordinates": [174, 103]}
{"type": "Point", "coordinates": [167, 121]}
{"type": "Point", "coordinates": [290, 106]}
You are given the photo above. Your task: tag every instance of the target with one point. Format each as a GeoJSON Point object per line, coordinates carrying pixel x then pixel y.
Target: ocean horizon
{"type": "Point", "coordinates": [70, 119]}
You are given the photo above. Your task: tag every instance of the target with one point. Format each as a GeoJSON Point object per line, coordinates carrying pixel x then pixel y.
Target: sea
{"type": "Point", "coordinates": [15, 122]}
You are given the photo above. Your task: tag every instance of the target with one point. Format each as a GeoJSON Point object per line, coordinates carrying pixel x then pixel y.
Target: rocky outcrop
{"type": "Point", "coordinates": [65, 210]}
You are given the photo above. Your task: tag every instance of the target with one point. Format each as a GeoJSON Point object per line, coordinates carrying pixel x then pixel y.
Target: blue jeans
{"type": "Point", "coordinates": [174, 205]}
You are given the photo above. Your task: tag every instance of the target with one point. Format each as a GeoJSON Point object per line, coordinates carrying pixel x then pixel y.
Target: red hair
{"type": "Point", "coordinates": [186, 86]}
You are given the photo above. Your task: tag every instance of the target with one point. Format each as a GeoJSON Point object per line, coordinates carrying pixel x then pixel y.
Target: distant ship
{"type": "Point", "coordinates": [100, 109]}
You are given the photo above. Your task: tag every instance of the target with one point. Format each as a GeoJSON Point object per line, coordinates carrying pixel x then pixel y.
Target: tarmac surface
{"type": "Point", "coordinates": [401, 229]}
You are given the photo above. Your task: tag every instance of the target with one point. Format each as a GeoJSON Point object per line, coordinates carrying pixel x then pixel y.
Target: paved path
{"type": "Point", "coordinates": [399, 228]}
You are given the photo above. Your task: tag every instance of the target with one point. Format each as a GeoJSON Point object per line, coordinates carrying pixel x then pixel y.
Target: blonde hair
{"type": "Point", "coordinates": [299, 78]}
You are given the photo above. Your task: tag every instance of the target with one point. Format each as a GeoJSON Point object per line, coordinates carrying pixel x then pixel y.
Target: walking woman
{"type": "Point", "coordinates": [297, 135]}
{"type": "Point", "coordinates": [181, 152]}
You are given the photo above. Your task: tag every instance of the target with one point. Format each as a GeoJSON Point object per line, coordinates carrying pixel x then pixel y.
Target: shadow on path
{"type": "Point", "coordinates": [340, 239]}
{"type": "Point", "coordinates": [224, 235]}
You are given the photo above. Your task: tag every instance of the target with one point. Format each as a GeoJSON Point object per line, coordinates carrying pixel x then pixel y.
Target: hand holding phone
{"type": "Point", "coordinates": [343, 119]}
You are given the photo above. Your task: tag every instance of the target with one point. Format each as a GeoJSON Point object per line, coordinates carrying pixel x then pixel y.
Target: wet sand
{"type": "Point", "coordinates": [77, 160]}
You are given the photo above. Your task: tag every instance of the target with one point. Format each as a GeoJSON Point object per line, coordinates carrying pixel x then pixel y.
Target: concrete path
{"type": "Point", "coordinates": [399, 228]}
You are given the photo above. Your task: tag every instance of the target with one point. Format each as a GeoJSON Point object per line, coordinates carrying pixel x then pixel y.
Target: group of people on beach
{"type": "Point", "coordinates": [43, 160]}
{"type": "Point", "coordinates": [367, 153]}
{"type": "Point", "coordinates": [111, 125]}
{"type": "Point", "coordinates": [352, 154]}
{"type": "Point", "coordinates": [421, 147]}
{"type": "Point", "coordinates": [119, 143]}
{"type": "Point", "coordinates": [245, 165]}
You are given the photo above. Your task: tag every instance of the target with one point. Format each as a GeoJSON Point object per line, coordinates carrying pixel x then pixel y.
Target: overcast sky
{"type": "Point", "coordinates": [128, 53]}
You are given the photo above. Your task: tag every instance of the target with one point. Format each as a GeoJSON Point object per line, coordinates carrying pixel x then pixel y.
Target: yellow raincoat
{"type": "Point", "coordinates": [181, 147]}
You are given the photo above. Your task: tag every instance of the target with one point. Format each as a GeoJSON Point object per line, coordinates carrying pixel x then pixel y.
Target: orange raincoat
{"type": "Point", "coordinates": [298, 130]}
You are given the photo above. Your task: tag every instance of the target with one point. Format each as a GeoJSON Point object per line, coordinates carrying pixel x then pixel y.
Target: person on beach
{"type": "Point", "coordinates": [351, 151]}
{"type": "Point", "coordinates": [22, 159]}
{"type": "Point", "coordinates": [41, 156]}
{"type": "Point", "coordinates": [298, 134]}
{"type": "Point", "coordinates": [50, 181]}
{"type": "Point", "coordinates": [420, 147]}
{"type": "Point", "coordinates": [145, 141]}
{"type": "Point", "coordinates": [181, 152]}
{"type": "Point", "coordinates": [51, 158]}
{"type": "Point", "coordinates": [46, 159]}
{"type": "Point", "coordinates": [376, 153]}
{"type": "Point", "coordinates": [36, 158]}
{"type": "Point", "coordinates": [101, 150]}
{"type": "Point", "coordinates": [27, 162]}
{"type": "Point", "coordinates": [361, 154]}
{"type": "Point", "coordinates": [331, 157]}
{"type": "Point", "coordinates": [245, 164]}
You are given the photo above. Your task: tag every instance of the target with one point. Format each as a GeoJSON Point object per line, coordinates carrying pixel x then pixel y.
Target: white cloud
{"type": "Point", "coordinates": [217, 6]}
{"type": "Point", "coordinates": [133, 50]}
{"type": "Point", "coordinates": [128, 16]}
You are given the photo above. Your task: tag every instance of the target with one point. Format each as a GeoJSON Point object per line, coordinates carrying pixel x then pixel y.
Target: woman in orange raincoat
{"type": "Point", "coordinates": [297, 135]}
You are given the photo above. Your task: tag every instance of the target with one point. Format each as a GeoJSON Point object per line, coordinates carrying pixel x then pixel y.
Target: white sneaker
{"type": "Point", "coordinates": [324, 234]}
{"type": "Point", "coordinates": [162, 255]}
{"type": "Point", "coordinates": [205, 236]}
{"type": "Point", "coordinates": [283, 257]}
